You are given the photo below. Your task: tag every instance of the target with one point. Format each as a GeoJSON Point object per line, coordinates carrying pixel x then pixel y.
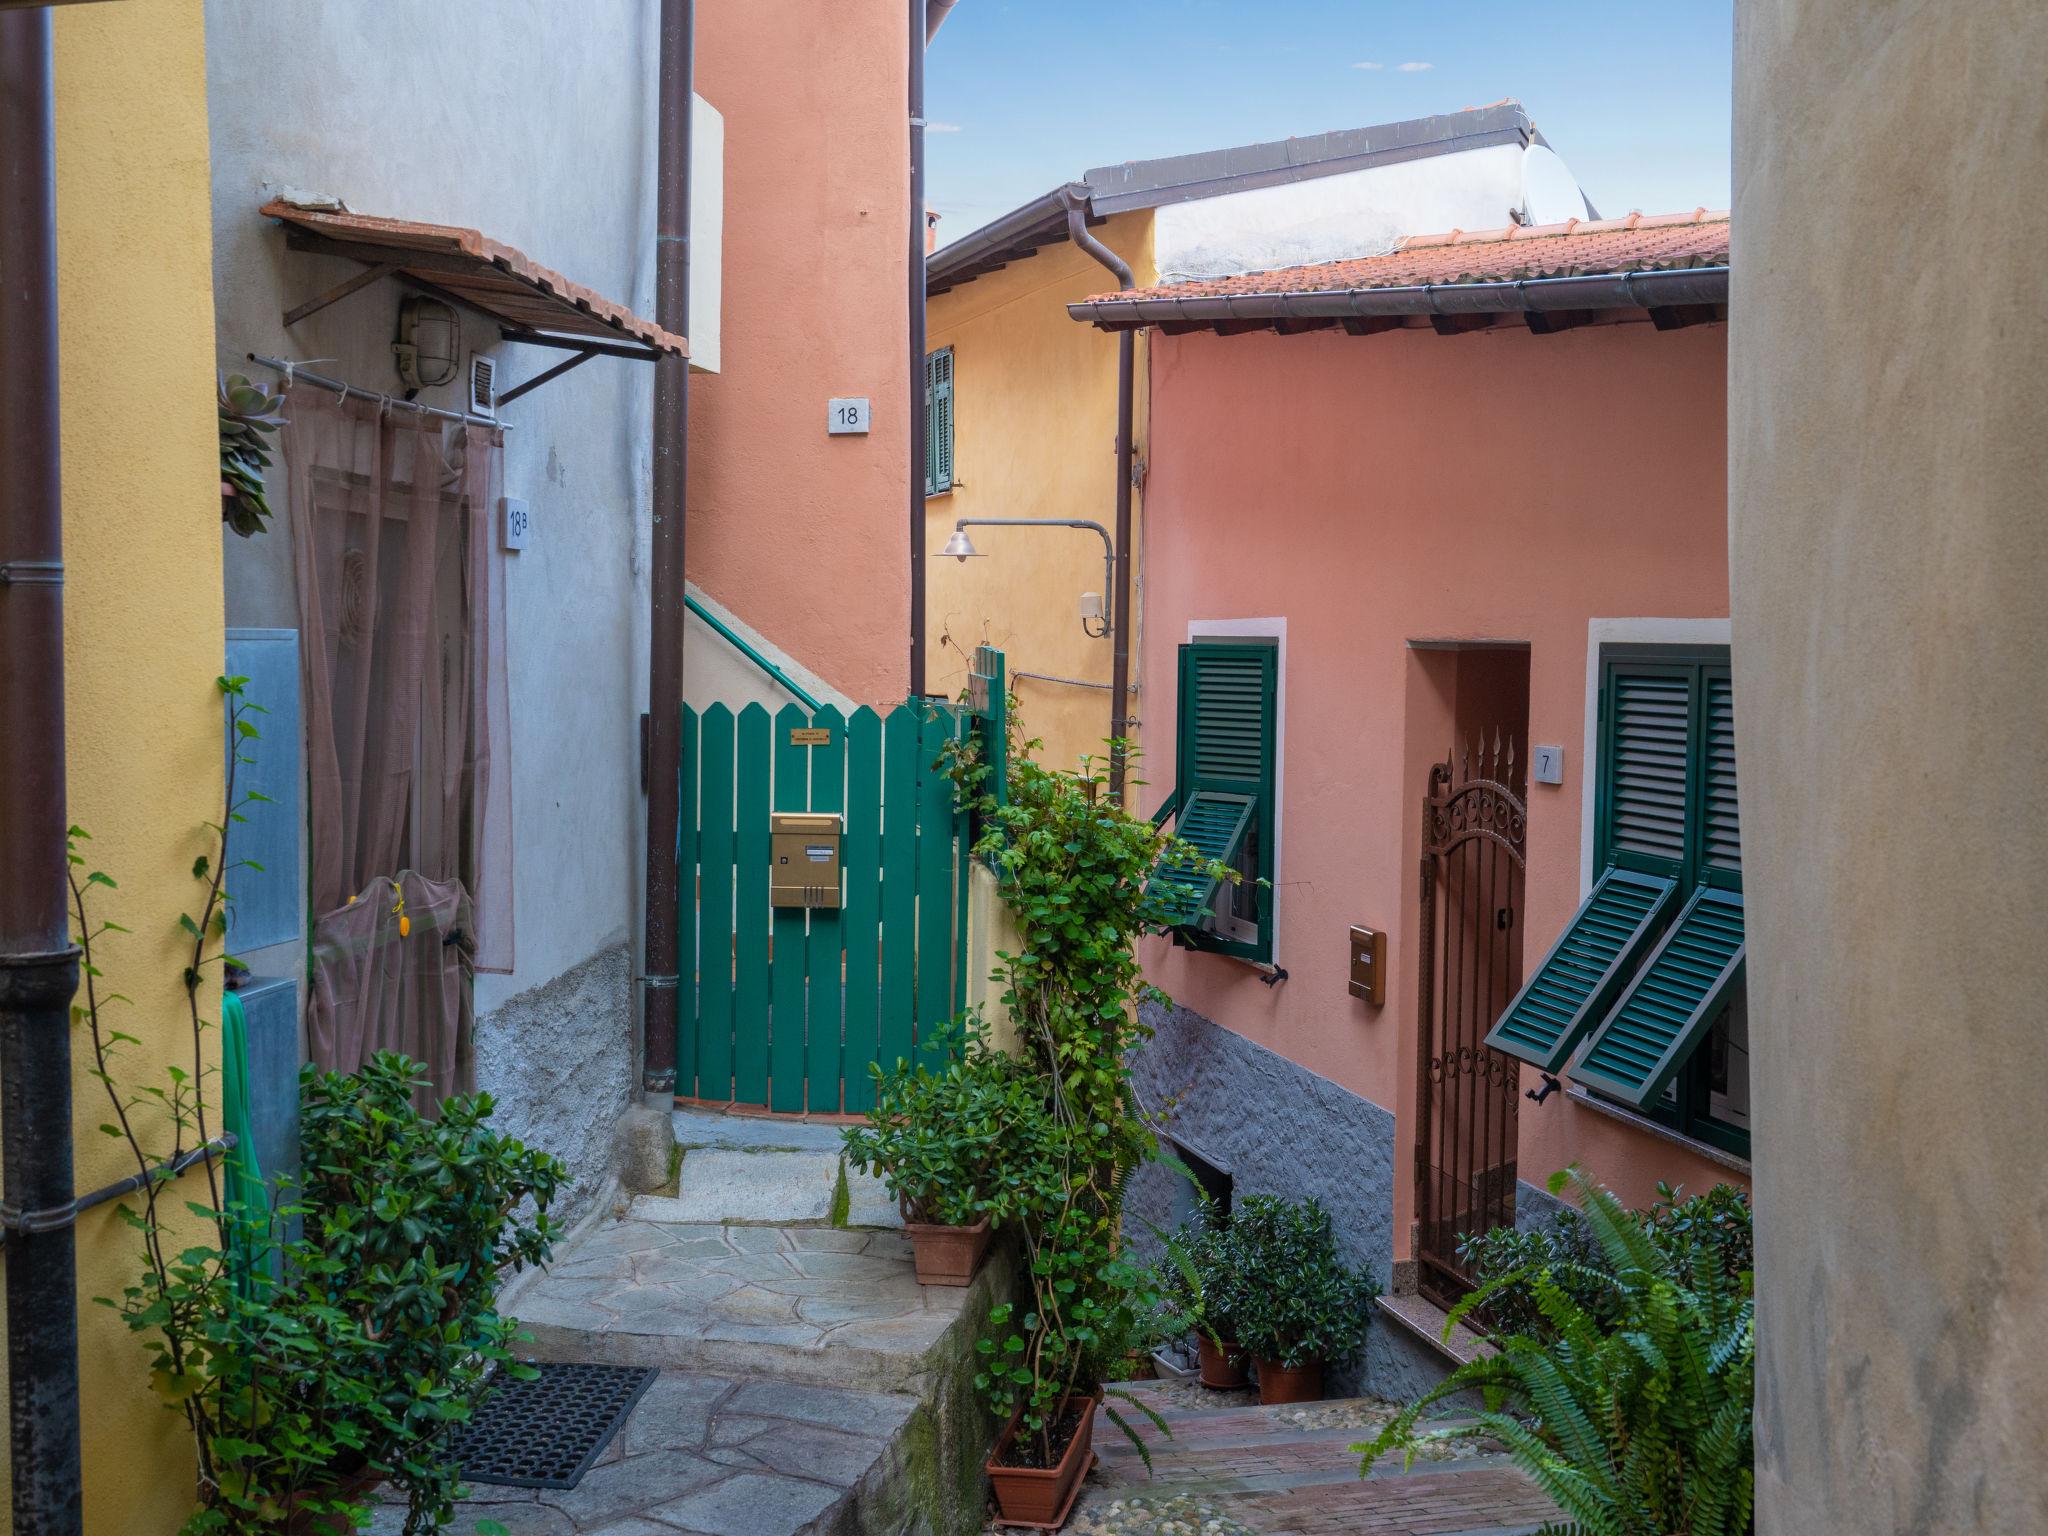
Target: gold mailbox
{"type": "Point", "coordinates": [804, 859]}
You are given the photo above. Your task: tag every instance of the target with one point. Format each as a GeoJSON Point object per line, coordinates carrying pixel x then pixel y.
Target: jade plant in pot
{"type": "Point", "coordinates": [951, 1138]}
{"type": "Point", "coordinates": [1301, 1309]}
{"type": "Point", "coordinates": [1203, 1285]}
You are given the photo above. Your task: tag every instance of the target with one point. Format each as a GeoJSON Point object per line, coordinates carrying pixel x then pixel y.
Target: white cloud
{"type": "Point", "coordinates": [1369, 64]}
{"type": "Point", "coordinates": [936, 127]}
{"type": "Point", "coordinates": [1413, 68]}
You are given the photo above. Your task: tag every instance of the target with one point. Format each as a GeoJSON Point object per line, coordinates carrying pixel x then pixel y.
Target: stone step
{"type": "Point", "coordinates": [746, 1169]}
{"type": "Point", "coordinates": [803, 1306]}
{"type": "Point", "coordinates": [813, 1304]}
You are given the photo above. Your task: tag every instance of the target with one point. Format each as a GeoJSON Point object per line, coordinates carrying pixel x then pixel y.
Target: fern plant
{"type": "Point", "coordinates": [1635, 1427]}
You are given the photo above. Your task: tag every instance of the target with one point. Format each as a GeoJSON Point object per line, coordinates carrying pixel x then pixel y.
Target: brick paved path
{"type": "Point", "coordinates": [1290, 1472]}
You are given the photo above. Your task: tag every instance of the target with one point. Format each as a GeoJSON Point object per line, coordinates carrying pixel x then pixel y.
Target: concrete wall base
{"type": "Point", "coordinates": [559, 1061]}
{"type": "Point", "coordinates": [1277, 1129]}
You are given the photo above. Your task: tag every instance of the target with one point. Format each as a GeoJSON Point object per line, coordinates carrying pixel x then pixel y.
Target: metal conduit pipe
{"type": "Point", "coordinates": [1120, 602]}
{"type": "Point", "coordinates": [38, 963]}
{"type": "Point", "coordinates": [916, 302]}
{"type": "Point", "coordinates": [661, 938]}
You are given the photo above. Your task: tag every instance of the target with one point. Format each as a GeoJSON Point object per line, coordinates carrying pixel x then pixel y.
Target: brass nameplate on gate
{"type": "Point", "coordinates": [810, 736]}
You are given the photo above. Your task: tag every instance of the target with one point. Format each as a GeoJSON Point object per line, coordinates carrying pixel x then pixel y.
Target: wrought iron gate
{"type": "Point", "coordinates": [1474, 821]}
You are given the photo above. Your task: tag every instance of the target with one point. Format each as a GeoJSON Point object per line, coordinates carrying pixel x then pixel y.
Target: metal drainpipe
{"type": "Point", "coordinates": [668, 589]}
{"type": "Point", "coordinates": [38, 964]}
{"type": "Point", "coordinates": [918, 19]}
{"type": "Point", "coordinates": [1120, 601]}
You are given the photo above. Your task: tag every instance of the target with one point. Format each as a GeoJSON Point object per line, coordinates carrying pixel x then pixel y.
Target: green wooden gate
{"type": "Point", "coordinates": [788, 1005]}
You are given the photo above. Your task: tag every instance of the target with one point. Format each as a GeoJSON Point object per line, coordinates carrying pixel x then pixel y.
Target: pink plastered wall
{"type": "Point", "coordinates": [806, 536]}
{"type": "Point", "coordinates": [1374, 492]}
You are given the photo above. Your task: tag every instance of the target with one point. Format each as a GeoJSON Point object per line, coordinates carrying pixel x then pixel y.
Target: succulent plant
{"type": "Point", "coordinates": [249, 416]}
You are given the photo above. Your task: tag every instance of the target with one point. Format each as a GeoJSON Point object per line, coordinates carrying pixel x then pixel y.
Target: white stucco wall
{"type": "Point", "coordinates": [432, 113]}
{"type": "Point", "coordinates": [1361, 213]}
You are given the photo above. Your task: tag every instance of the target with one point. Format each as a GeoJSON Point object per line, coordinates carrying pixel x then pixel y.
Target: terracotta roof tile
{"type": "Point", "coordinates": [491, 276]}
{"type": "Point", "coordinates": [1574, 248]}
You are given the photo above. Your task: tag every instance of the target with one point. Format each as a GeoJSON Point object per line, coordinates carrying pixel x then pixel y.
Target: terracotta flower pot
{"type": "Point", "coordinates": [1222, 1370]}
{"type": "Point", "coordinates": [947, 1255]}
{"type": "Point", "coordinates": [1290, 1383]}
{"type": "Point", "coordinates": [1043, 1496]}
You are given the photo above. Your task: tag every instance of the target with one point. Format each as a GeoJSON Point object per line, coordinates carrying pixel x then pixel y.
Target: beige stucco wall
{"type": "Point", "coordinates": [1888, 441]}
{"type": "Point", "coordinates": [1034, 435]}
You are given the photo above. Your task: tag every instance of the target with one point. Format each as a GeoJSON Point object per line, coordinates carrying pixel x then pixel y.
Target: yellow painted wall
{"type": "Point", "coordinates": [1034, 405]}
{"type": "Point", "coordinates": [143, 628]}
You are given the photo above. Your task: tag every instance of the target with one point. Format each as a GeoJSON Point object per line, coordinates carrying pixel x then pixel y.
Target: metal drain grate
{"type": "Point", "coordinates": [545, 1433]}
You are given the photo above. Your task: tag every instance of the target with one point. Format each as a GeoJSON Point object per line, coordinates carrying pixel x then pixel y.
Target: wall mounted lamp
{"type": "Point", "coordinates": [961, 548]}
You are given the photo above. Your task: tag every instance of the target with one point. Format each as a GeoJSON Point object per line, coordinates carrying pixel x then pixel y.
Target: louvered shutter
{"type": "Point", "coordinates": [1646, 765]}
{"type": "Point", "coordinates": [1588, 965]}
{"type": "Point", "coordinates": [1215, 826]}
{"type": "Point", "coordinates": [1673, 1001]}
{"type": "Point", "coordinates": [938, 423]}
{"type": "Point", "coordinates": [1229, 704]}
{"type": "Point", "coordinates": [1720, 853]}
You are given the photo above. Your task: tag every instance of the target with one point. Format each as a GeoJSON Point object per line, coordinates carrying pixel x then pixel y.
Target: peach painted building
{"type": "Point", "coordinates": [1433, 508]}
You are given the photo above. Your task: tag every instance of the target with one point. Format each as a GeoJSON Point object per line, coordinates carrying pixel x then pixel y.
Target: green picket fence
{"type": "Point", "coordinates": [789, 1006]}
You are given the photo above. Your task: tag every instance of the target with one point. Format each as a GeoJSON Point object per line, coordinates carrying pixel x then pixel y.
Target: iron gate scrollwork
{"type": "Point", "coordinates": [1474, 827]}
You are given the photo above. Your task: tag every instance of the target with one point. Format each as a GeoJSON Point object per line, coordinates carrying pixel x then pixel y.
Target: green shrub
{"type": "Point", "coordinates": [410, 1223]}
{"type": "Point", "coordinates": [1716, 1223]}
{"type": "Point", "coordinates": [1294, 1302]}
{"type": "Point", "coordinates": [1201, 1277]}
{"type": "Point", "coordinates": [969, 1139]}
{"type": "Point", "coordinates": [1638, 1427]}
{"type": "Point", "coordinates": [359, 1347]}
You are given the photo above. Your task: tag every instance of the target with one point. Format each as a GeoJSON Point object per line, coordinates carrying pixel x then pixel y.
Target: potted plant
{"type": "Point", "coordinates": [1305, 1310]}
{"type": "Point", "coordinates": [1202, 1285]}
{"type": "Point", "coordinates": [957, 1145]}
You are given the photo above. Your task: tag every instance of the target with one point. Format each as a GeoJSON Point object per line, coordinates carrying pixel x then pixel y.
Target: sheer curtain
{"type": "Point", "coordinates": [401, 604]}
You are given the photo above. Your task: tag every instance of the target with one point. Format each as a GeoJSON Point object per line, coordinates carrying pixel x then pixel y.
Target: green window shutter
{"type": "Point", "coordinates": [1228, 741]}
{"type": "Point", "coordinates": [938, 421]}
{"type": "Point", "coordinates": [1720, 854]}
{"type": "Point", "coordinates": [1646, 777]}
{"type": "Point", "coordinates": [1588, 964]}
{"type": "Point", "coordinates": [1669, 1007]}
{"type": "Point", "coordinates": [1215, 826]}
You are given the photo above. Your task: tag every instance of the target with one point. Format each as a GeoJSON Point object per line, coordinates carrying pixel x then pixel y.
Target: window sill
{"type": "Point", "coordinates": [1662, 1132]}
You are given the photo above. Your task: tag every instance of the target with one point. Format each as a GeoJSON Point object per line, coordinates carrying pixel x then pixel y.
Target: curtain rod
{"type": "Point", "coordinates": [345, 389]}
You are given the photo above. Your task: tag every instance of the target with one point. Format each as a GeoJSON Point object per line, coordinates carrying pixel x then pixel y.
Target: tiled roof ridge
{"type": "Point", "coordinates": [1631, 221]}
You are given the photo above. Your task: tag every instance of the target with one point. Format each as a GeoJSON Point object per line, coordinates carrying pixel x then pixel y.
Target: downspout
{"type": "Point", "coordinates": [918, 19]}
{"type": "Point", "coordinates": [38, 964]}
{"type": "Point", "coordinates": [1120, 601]}
{"type": "Point", "coordinates": [661, 940]}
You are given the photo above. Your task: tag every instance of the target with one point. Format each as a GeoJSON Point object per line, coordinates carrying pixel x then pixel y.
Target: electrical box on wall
{"type": "Point", "coordinates": [513, 523]}
{"type": "Point", "coordinates": [1369, 964]}
{"type": "Point", "coordinates": [803, 852]}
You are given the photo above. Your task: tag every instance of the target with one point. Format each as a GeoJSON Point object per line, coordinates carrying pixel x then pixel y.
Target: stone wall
{"type": "Point", "coordinates": [559, 1061]}
{"type": "Point", "coordinates": [1277, 1129]}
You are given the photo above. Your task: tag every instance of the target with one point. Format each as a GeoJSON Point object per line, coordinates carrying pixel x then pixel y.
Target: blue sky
{"type": "Point", "coordinates": [1025, 94]}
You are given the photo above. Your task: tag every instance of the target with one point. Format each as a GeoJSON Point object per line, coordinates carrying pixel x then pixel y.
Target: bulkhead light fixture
{"type": "Point", "coordinates": [429, 345]}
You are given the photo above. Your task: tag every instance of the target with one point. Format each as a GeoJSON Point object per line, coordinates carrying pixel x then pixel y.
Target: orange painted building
{"type": "Point", "coordinates": [1486, 489]}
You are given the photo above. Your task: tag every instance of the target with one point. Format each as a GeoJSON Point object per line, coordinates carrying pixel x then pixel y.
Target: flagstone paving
{"type": "Point", "coordinates": [714, 1456]}
{"type": "Point", "coordinates": [1242, 1470]}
